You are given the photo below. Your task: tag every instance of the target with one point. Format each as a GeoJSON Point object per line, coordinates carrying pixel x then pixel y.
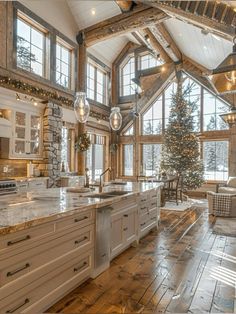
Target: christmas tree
{"type": "Point", "coordinates": [181, 147]}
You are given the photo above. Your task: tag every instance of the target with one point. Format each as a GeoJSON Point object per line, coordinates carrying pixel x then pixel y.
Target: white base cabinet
{"type": "Point", "coordinates": [47, 260]}
{"type": "Point", "coordinates": [123, 229]}
{"type": "Point", "coordinates": [39, 265]}
{"type": "Point", "coordinates": [132, 219]}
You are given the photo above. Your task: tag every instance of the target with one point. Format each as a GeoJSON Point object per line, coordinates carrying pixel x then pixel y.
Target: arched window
{"type": "Point", "coordinates": [147, 61]}
{"type": "Point", "coordinates": [127, 73]}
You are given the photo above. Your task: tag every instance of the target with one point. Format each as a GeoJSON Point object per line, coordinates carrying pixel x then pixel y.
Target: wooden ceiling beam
{"type": "Point", "coordinates": [140, 17]}
{"type": "Point", "coordinates": [125, 5]}
{"type": "Point", "coordinates": [167, 42]}
{"type": "Point", "coordinates": [156, 45]}
{"type": "Point", "coordinates": [217, 17]}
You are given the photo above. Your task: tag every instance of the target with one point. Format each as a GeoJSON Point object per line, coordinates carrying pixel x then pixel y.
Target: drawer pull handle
{"type": "Point", "coordinates": [144, 200]}
{"type": "Point", "coordinates": [126, 215]}
{"type": "Point", "coordinates": [81, 240]}
{"type": "Point", "coordinates": [18, 241]}
{"type": "Point", "coordinates": [153, 218]}
{"type": "Point", "coordinates": [153, 204]}
{"type": "Point", "coordinates": [12, 273]}
{"type": "Point", "coordinates": [103, 255]}
{"type": "Point", "coordinates": [143, 208]}
{"type": "Point", "coordinates": [143, 224]}
{"type": "Point", "coordinates": [18, 306]}
{"type": "Point", "coordinates": [80, 267]}
{"type": "Point", "coordinates": [154, 196]}
{"type": "Point", "coordinates": [81, 219]}
{"type": "Point", "coordinates": [125, 229]}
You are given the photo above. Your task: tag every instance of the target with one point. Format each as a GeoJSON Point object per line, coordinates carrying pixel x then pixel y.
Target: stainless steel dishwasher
{"type": "Point", "coordinates": [102, 240]}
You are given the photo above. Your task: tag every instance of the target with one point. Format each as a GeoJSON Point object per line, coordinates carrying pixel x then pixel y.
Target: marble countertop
{"type": "Point", "coordinates": [21, 211]}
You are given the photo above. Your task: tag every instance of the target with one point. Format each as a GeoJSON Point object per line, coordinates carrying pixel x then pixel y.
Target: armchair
{"type": "Point", "coordinates": [228, 188]}
{"type": "Point", "coordinates": [218, 207]}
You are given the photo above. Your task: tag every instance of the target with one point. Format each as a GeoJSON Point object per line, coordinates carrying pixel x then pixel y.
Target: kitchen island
{"type": "Point", "coordinates": [48, 239]}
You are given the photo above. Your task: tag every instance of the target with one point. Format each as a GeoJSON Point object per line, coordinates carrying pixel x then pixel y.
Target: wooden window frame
{"type": "Point", "coordinates": [97, 68]}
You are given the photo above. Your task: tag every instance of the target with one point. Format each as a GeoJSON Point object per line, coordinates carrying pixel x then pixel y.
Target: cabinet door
{"type": "Point", "coordinates": [20, 134]}
{"type": "Point", "coordinates": [26, 142]}
{"type": "Point", "coordinates": [34, 134]}
{"type": "Point", "coordinates": [116, 234]}
{"type": "Point", "coordinates": [130, 225]}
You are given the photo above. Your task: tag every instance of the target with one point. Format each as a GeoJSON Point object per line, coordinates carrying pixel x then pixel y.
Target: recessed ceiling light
{"type": "Point", "coordinates": [205, 47]}
{"type": "Point", "coordinates": [93, 11]}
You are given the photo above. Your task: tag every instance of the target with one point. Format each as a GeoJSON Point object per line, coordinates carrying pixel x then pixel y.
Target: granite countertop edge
{"type": "Point", "coordinates": [57, 214]}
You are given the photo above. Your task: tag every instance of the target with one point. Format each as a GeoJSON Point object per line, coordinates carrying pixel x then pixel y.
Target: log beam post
{"type": "Point", "coordinates": [82, 61]}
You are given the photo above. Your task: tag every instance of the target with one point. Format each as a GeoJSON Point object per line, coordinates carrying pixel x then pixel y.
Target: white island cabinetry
{"type": "Point", "coordinates": [40, 264]}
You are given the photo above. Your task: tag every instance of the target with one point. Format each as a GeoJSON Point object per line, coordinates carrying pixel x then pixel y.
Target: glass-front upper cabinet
{"type": "Point", "coordinates": [27, 135]}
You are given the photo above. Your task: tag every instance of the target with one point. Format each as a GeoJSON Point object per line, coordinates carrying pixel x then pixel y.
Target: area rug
{"type": "Point", "coordinates": [173, 206]}
{"type": "Point", "coordinates": [184, 205]}
{"type": "Point", "coordinates": [225, 226]}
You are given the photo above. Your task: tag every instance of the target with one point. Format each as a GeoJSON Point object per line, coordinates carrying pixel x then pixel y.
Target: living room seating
{"type": "Point", "coordinates": [228, 188]}
{"type": "Point", "coordinates": [222, 204]}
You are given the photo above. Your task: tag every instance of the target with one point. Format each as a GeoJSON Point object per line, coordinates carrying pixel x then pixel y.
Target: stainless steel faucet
{"type": "Point", "coordinates": [101, 175]}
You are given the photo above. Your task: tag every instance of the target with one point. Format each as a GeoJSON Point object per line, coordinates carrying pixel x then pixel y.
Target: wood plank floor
{"type": "Point", "coordinates": [180, 268]}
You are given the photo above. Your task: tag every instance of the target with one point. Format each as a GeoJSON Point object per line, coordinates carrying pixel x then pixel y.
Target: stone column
{"type": "Point", "coordinates": [52, 125]}
{"type": "Point", "coordinates": [232, 152]}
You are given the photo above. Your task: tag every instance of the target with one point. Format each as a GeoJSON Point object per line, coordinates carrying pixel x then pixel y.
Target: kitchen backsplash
{"type": "Point", "coordinates": [13, 168]}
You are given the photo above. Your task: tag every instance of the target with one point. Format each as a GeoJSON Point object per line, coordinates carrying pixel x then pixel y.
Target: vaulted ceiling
{"type": "Point", "coordinates": [197, 41]}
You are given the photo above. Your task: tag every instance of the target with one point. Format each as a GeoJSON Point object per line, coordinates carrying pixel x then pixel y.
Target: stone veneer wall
{"type": "Point", "coordinates": [52, 125]}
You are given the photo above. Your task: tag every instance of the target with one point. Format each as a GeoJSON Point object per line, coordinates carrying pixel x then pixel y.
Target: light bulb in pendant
{"type": "Point", "coordinates": [81, 107]}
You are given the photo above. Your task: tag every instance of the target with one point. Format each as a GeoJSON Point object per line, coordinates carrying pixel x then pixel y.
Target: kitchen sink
{"type": "Point", "coordinates": [117, 193]}
{"type": "Point", "coordinates": [101, 196]}
{"type": "Point", "coordinates": [108, 194]}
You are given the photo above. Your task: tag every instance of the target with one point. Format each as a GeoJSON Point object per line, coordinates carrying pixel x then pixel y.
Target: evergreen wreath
{"type": "Point", "coordinates": [83, 142]}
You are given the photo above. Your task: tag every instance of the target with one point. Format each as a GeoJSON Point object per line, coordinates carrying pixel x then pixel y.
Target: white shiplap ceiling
{"type": "Point", "coordinates": [108, 50]}
{"type": "Point", "coordinates": [82, 11]}
{"type": "Point", "coordinates": [206, 49]}
{"type": "Point", "coordinates": [87, 13]}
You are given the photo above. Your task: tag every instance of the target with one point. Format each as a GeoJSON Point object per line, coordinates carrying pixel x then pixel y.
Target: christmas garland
{"type": "Point", "coordinates": [83, 142]}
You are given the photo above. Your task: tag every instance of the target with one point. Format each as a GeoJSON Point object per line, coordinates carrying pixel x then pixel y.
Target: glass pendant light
{"type": "Point", "coordinates": [81, 107]}
{"type": "Point", "coordinates": [115, 118]}
{"type": "Point", "coordinates": [223, 78]}
{"type": "Point", "coordinates": [230, 117]}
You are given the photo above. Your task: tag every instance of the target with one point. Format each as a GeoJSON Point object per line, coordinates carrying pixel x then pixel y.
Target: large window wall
{"type": "Point", "coordinates": [96, 83]}
{"type": "Point", "coordinates": [151, 157]}
{"type": "Point", "coordinates": [95, 156]}
{"type": "Point", "coordinates": [128, 158]}
{"type": "Point", "coordinates": [30, 47]}
{"type": "Point", "coordinates": [215, 157]}
{"type": "Point", "coordinates": [42, 51]}
{"type": "Point", "coordinates": [213, 139]}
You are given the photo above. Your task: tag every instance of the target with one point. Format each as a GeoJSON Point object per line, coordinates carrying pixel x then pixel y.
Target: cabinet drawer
{"type": "Point", "coordinates": [153, 203]}
{"type": "Point", "coordinates": [81, 219]}
{"type": "Point", "coordinates": [143, 198]}
{"type": "Point", "coordinates": [153, 194]}
{"type": "Point", "coordinates": [21, 238]}
{"type": "Point", "coordinates": [143, 207]}
{"type": "Point", "coordinates": [37, 184]}
{"type": "Point", "coordinates": [124, 204]}
{"type": "Point", "coordinates": [23, 264]}
{"type": "Point", "coordinates": [78, 268]}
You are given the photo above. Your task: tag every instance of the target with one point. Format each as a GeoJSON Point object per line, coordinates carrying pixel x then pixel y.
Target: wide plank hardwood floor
{"type": "Point", "coordinates": [183, 267]}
